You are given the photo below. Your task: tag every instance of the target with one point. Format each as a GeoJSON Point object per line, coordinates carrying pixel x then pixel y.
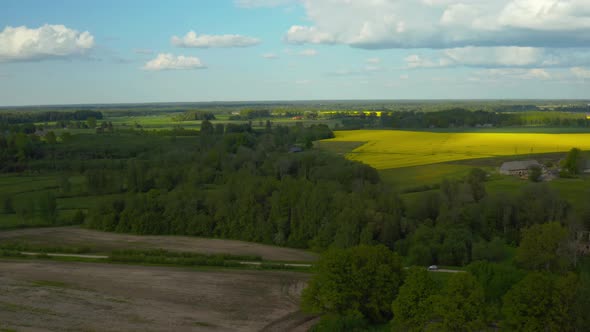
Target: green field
{"type": "Point", "coordinates": [387, 149]}
{"type": "Point", "coordinates": [417, 177]}
{"type": "Point", "coordinates": [27, 190]}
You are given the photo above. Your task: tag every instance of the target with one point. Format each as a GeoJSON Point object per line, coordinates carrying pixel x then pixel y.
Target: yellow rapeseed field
{"type": "Point", "coordinates": [393, 148]}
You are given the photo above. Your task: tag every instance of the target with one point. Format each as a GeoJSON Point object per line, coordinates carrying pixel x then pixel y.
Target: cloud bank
{"type": "Point", "coordinates": [46, 42]}
{"type": "Point", "coordinates": [381, 24]}
{"type": "Point", "coordinates": [492, 57]}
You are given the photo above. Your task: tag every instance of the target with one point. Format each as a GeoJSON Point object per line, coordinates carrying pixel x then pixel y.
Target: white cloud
{"type": "Point", "coordinates": [546, 15]}
{"type": "Point", "coordinates": [494, 75]}
{"type": "Point", "coordinates": [417, 61]}
{"type": "Point", "coordinates": [47, 41]}
{"type": "Point", "coordinates": [580, 72]}
{"type": "Point", "coordinates": [375, 24]}
{"type": "Point", "coordinates": [191, 39]}
{"type": "Point", "coordinates": [404, 77]}
{"type": "Point", "coordinates": [270, 56]}
{"type": "Point", "coordinates": [364, 71]}
{"type": "Point", "coordinates": [298, 34]}
{"type": "Point", "coordinates": [495, 56]}
{"type": "Point", "coordinates": [167, 61]}
{"type": "Point", "coordinates": [536, 73]}
{"type": "Point", "coordinates": [263, 3]}
{"type": "Point", "coordinates": [374, 61]}
{"type": "Point", "coordinates": [513, 56]}
{"type": "Point", "coordinates": [308, 52]}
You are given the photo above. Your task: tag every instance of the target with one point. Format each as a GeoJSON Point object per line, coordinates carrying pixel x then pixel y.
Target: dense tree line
{"type": "Point", "coordinates": [358, 287]}
{"type": "Point", "coordinates": [246, 185]}
{"type": "Point", "coordinates": [456, 118]}
{"type": "Point", "coordinates": [451, 118]}
{"type": "Point", "coordinates": [48, 116]}
{"type": "Point", "coordinates": [251, 114]}
{"type": "Point", "coordinates": [195, 115]}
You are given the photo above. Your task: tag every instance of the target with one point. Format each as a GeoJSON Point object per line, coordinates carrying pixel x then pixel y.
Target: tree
{"type": "Point", "coordinates": [492, 251]}
{"type": "Point", "coordinates": [64, 183]}
{"type": "Point", "coordinates": [219, 129]}
{"type": "Point", "coordinates": [359, 281]}
{"type": "Point", "coordinates": [496, 280]}
{"type": "Point", "coordinates": [207, 127]}
{"type": "Point", "coordinates": [51, 138]}
{"type": "Point", "coordinates": [538, 203]}
{"type": "Point", "coordinates": [461, 305]}
{"type": "Point", "coordinates": [48, 208]}
{"type": "Point", "coordinates": [543, 247]}
{"type": "Point", "coordinates": [7, 205]}
{"type": "Point", "coordinates": [535, 174]}
{"type": "Point", "coordinates": [78, 218]}
{"type": "Point", "coordinates": [412, 309]}
{"type": "Point", "coordinates": [91, 122]}
{"type": "Point", "coordinates": [541, 302]}
{"type": "Point", "coordinates": [66, 137]}
{"type": "Point", "coordinates": [571, 162]}
{"type": "Point", "coordinates": [424, 245]}
{"type": "Point", "coordinates": [582, 305]}
{"type": "Point", "coordinates": [26, 211]}
{"type": "Point", "coordinates": [475, 180]}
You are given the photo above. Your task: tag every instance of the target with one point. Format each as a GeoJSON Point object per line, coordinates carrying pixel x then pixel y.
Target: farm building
{"type": "Point", "coordinates": [583, 242]}
{"type": "Point", "coordinates": [518, 168]}
{"type": "Point", "coordinates": [295, 149]}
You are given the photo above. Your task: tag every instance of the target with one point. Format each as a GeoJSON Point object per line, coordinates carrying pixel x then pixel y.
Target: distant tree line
{"type": "Point", "coordinates": [196, 115]}
{"type": "Point", "coordinates": [50, 116]}
{"type": "Point", "coordinates": [251, 114]}
{"type": "Point", "coordinates": [456, 118]}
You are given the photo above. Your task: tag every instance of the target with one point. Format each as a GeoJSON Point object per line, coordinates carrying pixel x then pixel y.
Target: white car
{"type": "Point", "coordinates": [432, 268]}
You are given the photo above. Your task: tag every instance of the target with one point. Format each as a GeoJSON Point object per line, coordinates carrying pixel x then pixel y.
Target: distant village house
{"type": "Point", "coordinates": [519, 168]}
{"type": "Point", "coordinates": [583, 239]}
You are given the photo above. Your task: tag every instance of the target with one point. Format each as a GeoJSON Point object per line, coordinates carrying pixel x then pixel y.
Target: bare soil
{"type": "Point", "coordinates": [63, 296]}
{"type": "Point", "coordinates": [105, 242]}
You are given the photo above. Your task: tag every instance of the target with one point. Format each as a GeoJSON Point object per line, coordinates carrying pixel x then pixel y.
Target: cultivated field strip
{"type": "Point", "coordinates": [67, 296]}
{"type": "Point", "coordinates": [387, 149]}
{"type": "Point", "coordinates": [106, 242]}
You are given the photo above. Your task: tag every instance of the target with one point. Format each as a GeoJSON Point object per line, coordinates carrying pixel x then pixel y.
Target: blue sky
{"type": "Point", "coordinates": [64, 52]}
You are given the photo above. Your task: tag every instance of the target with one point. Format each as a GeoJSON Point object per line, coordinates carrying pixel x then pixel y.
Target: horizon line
{"type": "Point", "coordinates": [282, 101]}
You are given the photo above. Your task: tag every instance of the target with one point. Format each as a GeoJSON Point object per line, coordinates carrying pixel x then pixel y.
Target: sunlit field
{"type": "Point", "coordinates": [385, 149]}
